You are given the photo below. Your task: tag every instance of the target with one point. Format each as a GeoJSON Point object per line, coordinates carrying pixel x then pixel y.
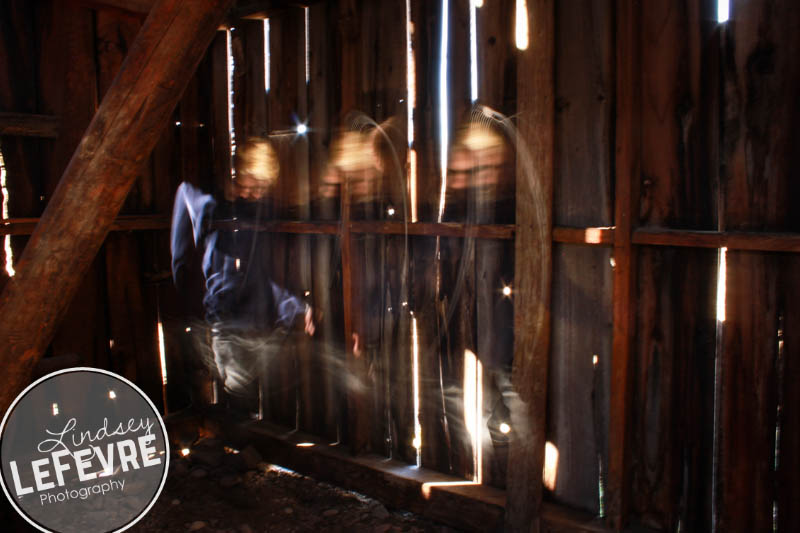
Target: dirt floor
{"type": "Point", "coordinates": [217, 489]}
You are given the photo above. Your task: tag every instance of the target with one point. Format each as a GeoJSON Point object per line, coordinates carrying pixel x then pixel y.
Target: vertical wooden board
{"type": "Point", "coordinates": [18, 77]}
{"type": "Point", "coordinates": [435, 433]}
{"type": "Point", "coordinates": [456, 299]}
{"type": "Point", "coordinates": [358, 434]}
{"type": "Point", "coordinates": [584, 106]}
{"type": "Point", "coordinates": [494, 319]}
{"type": "Point", "coordinates": [114, 34]}
{"type": "Point", "coordinates": [132, 322]}
{"type": "Point", "coordinates": [578, 389]}
{"type": "Point", "coordinates": [761, 81]}
{"type": "Point", "coordinates": [391, 111]}
{"type": "Point", "coordinates": [497, 88]}
{"type": "Point", "coordinates": [326, 296]}
{"type": "Point", "coordinates": [382, 92]}
{"type": "Point", "coordinates": [84, 331]}
{"type": "Point", "coordinates": [674, 375]}
{"type": "Point", "coordinates": [68, 89]}
{"type": "Point", "coordinates": [187, 128]}
{"type": "Point", "coordinates": [497, 66]}
{"type": "Point", "coordinates": [627, 148]}
{"type": "Point", "coordinates": [788, 493]}
{"type": "Point", "coordinates": [286, 102]}
{"type": "Point", "coordinates": [426, 19]}
{"type": "Point", "coordinates": [398, 341]}
{"type": "Point", "coordinates": [748, 400]}
{"type": "Point", "coordinates": [760, 77]}
{"type": "Point", "coordinates": [671, 476]}
{"type": "Point", "coordinates": [323, 104]}
{"type": "Point", "coordinates": [286, 108]}
{"type": "Point", "coordinates": [532, 268]}
{"type": "Point", "coordinates": [679, 115]}
{"type": "Point", "coordinates": [250, 113]}
{"type": "Point", "coordinates": [220, 138]}
{"type": "Point", "coordinates": [458, 64]}
{"type": "Point", "coordinates": [67, 80]}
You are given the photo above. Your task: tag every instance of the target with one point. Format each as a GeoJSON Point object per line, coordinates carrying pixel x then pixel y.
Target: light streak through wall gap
{"type": "Point", "coordinates": [266, 56]}
{"type": "Point", "coordinates": [723, 11]}
{"type": "Point", "coordinates": [411, 103]}
{"type": "Point", "coordinates": [231, 68]}
{"type": "Point", "coordinates": [443, 107]}
{"type": "Point", "coordinates": [308, 46]}
{"type": "Point", "coordinates": [7, 241]}
{"type": "Point", "coordinates": [473, 48]}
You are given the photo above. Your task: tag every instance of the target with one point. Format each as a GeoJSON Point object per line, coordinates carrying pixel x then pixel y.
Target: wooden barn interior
{"type": "Point", "coordinates": [547, 247]}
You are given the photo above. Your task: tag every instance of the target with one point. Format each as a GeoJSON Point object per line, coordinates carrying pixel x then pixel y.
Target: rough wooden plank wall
{"type": "Point", "coordinates": [326, 294]}
{"type": "Point", "coordinates": [582, 276]}
{"type": "Point", "coordinates": [789, 392]}
{"type": "Point", "coordinates": [675, 330]}
{"type": "Point", "coordinates": [533, 269]}
{"type": "Point", "coordinates": [760, 77]}
{"type": "Point", "coordinates": [497, 87]}
{"type": "Point", "coordinates": [286, 103]}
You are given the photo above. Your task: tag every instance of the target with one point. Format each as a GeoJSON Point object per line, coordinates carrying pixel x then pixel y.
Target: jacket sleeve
{"type": "Point", "coordinates": [191, 215]}
{"type": "Point", "coordinates": [288, 306]}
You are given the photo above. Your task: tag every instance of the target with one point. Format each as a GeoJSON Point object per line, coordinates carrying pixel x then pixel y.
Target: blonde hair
{"type": "Point", "coordinates": [258, 159]}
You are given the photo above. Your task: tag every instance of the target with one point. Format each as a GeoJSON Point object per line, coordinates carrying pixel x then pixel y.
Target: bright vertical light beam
{"type": "Point", "coordinates": [162, 353]}
{"type": "Point", "coordinates": [266, 55]}
{"type": "Point", "coordinates": [723, 11]}
{"type": "Point", "coordinates": [473, 48]}
{"type": "Point", "coordinates": [7, 244]}
{"type": "Point", "coordinates": [522, 25]}
{"type": "Point", "coordinates": [231, 67]}
{"type": "Point", "coordinates": [443, 104]}
{"type": "Point", "coordinates": [722, 284]}
{"type": "Point", "coordinates": [308, 47]}
{"type": "Point", "coordinates": [415, 371]}
{"type": "Point", "coordinates": [411, 102]}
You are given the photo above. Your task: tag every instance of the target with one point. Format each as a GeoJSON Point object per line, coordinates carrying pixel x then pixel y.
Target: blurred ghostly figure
{"type": "Point", "coordinates": [248, 313]}
{"type": "Point", "coordinates": [476, 297]}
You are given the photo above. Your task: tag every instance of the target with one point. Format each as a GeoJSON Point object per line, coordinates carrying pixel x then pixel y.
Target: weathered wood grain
{"type": "Point", "coordinates": [497, 67]}
{"type": "Point", "coordinates": [673, 371]}
{"type": "Point", "coordinates": [627, 168]}
{"type": "Point", "coordinates": [29, 125]}
{"type": "Point", "coordinates": [758, 147]}
{"type": "Point", "coordinates": [123, 133]}
{"type": "Point", "coordinates": [582, 277]}
{"type": "Point", "coordinates": [533, 269]}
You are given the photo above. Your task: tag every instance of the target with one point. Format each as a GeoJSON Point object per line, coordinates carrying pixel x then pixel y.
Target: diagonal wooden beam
{"type": "Point", "coordinates": [93, 188]}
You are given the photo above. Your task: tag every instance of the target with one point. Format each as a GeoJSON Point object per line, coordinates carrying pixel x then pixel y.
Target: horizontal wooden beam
{"type": "Point", "coordinates": [762, 242]}
{"type": "Point", "coordinates": [25, 226]}
{"type": "Point", "coordinates": [594, 236]}
{"type": "Point", "coordinates": [27, 125]}
{"type": "Point", "coordinates": [92, 190]}
{"type": "Point", "coordinates": [590, 236]}
{"type": "Point", "coordinates": [451, 500]}
{"type": "Point", "coordinates": [444, 229]}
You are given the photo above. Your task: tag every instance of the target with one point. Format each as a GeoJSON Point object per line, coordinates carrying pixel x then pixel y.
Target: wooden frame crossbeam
{"type": "Point", "coordinates": [29, 125]}
{"type": "Point", "coordinates": [94, 185]}
{"type": "Point", "coordinates": [589, 236]}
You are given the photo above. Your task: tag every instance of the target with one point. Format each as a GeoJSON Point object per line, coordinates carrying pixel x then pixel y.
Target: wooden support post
{"type": "Point", "coordinates": [94, 186]}
{"type": "Point", "coordinates": [533, 256]}
{"type": "Point", "coordinates": [627, 164]}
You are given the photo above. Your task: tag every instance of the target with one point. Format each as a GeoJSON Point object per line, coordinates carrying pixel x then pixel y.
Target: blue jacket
{"type": "Point", "coordinates": [239, 291]}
